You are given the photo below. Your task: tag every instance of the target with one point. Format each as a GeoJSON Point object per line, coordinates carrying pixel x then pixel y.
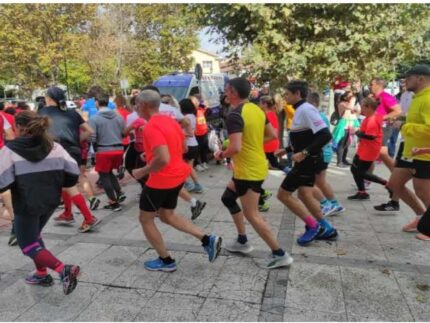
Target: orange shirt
{"type": "Point", "coordinates": [162, 130]}
{"type": "Point", "coordinates": [201, 125]}
{"type": "Point", "coordinates": [272, 145]}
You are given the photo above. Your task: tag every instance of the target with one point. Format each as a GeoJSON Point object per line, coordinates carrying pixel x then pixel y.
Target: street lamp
{"type": "Point", "coordinates": [65, 71]}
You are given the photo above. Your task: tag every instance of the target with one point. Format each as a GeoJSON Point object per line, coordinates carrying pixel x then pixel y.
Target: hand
{"type": "Point", "coordinates": [298, 157]}
{"type": "Point", "coordinates": [218, 155]}
{"type": "Point", "coordinates": [397, 124]}
{"type": "Point", "coordinates": [138, 173]}
{"type": "Point", "coordinates": [280, 152]}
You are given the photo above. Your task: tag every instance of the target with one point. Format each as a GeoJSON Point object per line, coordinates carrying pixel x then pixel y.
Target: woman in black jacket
{"type": "Point", "coordinates": [36, 170]}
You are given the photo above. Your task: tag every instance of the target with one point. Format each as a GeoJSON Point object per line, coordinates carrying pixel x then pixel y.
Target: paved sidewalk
{"type": "Point", "coordinates": [373, 272]}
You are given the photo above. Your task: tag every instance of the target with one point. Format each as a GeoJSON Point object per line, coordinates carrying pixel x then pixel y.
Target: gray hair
{"type": "Point", "coordinates": [149, 96]}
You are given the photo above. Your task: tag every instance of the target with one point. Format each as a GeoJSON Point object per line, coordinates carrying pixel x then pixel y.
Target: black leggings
{"type": "Point", "coordinates": [27, 229]}
{"type": "Point", "coordinates": [273, 161]}
{"type": "Point", "coordinates": [424, 224]}
{"type": "Point", "coordinates": [203, 142]}
{"type": "Point", "coordinates": [110, 185]}
{"type": "Point", "coordinates": [342, 149]}
{"type": "Point", "coordinates": [360, 172]}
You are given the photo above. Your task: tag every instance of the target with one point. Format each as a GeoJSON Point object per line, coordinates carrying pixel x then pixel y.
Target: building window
{"type": "Point", "coordinates": [207, 65]}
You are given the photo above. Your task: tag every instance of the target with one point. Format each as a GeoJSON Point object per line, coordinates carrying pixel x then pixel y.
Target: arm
{"type": "Point", "coordinates": [281, 118]}
{"type": "Point", "coordinates": [186, 125]}
{"type": "Point", "coordinates": [160, 160]}
{"type": "Point", "coordinates": [395, 112]}
{"type": "Point", "coordinates": [8, 134]}
{"type": "Point", "coordinates": [127, 130]}
{"type": "Point", "coordinates": [87, 131]}
{"type": "Point", "coordinates": [360, 134]}
{"type": "Point", "coordinates": [416, 130]}
{"type": "Point", "coordinates": [269, 133]}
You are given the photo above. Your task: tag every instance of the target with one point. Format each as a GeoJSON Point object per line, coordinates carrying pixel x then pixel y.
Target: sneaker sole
{"type": "Point", "coordinates": [244, 252]}
{"type": "Point", "coordinates": [338, 212]}
{"type": "Point", "coordinates": [333, 237]}
{"type": "Point", "coordinates": [166, 270]}
{"type": "Point", "coordinates": [64, 222]}
{"type": "Point", "coordinates": [70, 285]}
{"type": "Point", "coordinates": [39, 284]}
{"type": "Point", "coordinates": [285, 263]}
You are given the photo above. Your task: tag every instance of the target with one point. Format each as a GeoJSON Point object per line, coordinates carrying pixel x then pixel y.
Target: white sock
{"type": "Point", "coordinates": [193, 202]}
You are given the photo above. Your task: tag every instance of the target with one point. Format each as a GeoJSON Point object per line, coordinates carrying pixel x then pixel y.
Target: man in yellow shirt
{"type": "Point", "coordinates": [416, 133]}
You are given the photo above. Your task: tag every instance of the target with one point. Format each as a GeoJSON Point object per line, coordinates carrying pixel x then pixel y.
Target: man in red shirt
{"type": "Point", "coordinates": [370, 135]}
{"type": "Point", "coordinates": [164, 144]}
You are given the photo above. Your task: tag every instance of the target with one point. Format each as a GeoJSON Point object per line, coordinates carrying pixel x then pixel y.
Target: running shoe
{"type": "Point", "coordinates": [121, 197]}
{"type": "Point", "coordinates": [94, 203]}
{"type": "Point", "coordinates": [113, 206]}
{"type": "Point", "coordinates": [63, 218]}
{"type": "Point", "coordinates": [359, 196]}
{"type": "Point", "coordinates": [387, 207]}
{"type": "Point", "coordinates": [342, 166]}
{"type": "Point", "coordinates": [159, 265]}
{"type": "Point", "coordinates": [214, 247]}
{"type": "Point", "coordinates": [411, 226]}
{"type": "Point", "coordinates": [266, 195]}
{"type": "Point", "coordinates": [236, 246]}
{"type": "Point", "coordinates": [61, 205]}
{"type": "Point", "coordinates": [121, 172]}
{"type": "Point", "coordinates": [422, 237]}
{"type": "Point", "coordinates": [69, 278]}
{"type": "Point", "coordinates": [329, 234]}
{"type": "Point", "coordinates": [278, 261]}
{"type": "Point", "coordinates": [310, 235]}
{"type": "Point", "coordinates": [197, 188]}
{"type": "Point", "coordinates": [44, 281]}
{"type": "Point", "coordinates": [197, 210]}
{"type": "Point", "coordinates": [338, 209]}
{"type": "Point", "coordinates": [85, 227]}
{"type": "Point", "coordinates": [188, 186]}
{"type": "Point", "coordinates": [199, 168]}
{"type": "Point", "coordinates": [263, 207]}
{"type": "Point", "coordinates": [12, 240]}
{"type": "Point", "coordinates": [205, 166]}
{"type": "Point", "coordinates": [328, 209]}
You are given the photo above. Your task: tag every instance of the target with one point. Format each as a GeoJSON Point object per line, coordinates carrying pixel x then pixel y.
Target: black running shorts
{"type": "Point", "coordinates": [242, 186]}
{"type": "Point", "coordinates": [302, 174]}
{"type": "Point", "coordinates": [152, 199]}
{"type": "Point", "coordinates": [421, 169]}
{"type": "Point", "coordinates": [192, 153]}
{"type": "Point", "coordinates": [400, 161]}
{"type": "Point", "coordinates": [320, 165]}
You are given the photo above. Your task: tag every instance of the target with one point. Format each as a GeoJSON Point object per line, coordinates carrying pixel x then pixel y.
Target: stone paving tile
{"type": "Point", "coordinates": [170, 307]}
{"type": "Point", "coordinates": [110, 264]}
{"type": "Point", "coordinates": [19, 297]}
{"type": "Point", "coordinates": [223, 310]}
{"type": "Point", "coordinates": [293, 314]}
{"type": "Point", "coordinates": [58, 307]}
{"type": "Point", "coordinates": [120, 226]}
{"type": "Point", "coordinates": [360, 245]}
{"type": "Point", "coordinates": [319, 285]}
{"type": "Point", "coordinates": [387, 223]}
{"type": "Point", "coordinates": [135, 276]}
{"type": "Point", "coordinates": [416, 289]}
{"type": "Point", "coordinates": [82, 253]}
{"type": "Point", "coordinates": [195, 275]}
{"type": "Point", "coordinates": [240, 279]}
{"type": "Point", "coordinates": [115, 304]}
{"type": "Point", "coordinates": [404, 248]}
{"type": "Point", "coordinates": [373, 295]}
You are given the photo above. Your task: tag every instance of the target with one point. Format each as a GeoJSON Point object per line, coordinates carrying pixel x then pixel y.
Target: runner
{"type": "Point", "coordinates": [416, 132]}
{"type": "Point", "coordinates": [107, 138]}
{"type": "Point", "coordinates": [323, 191]}
{"type": "Point", "coordinates": [164, 143]}
{"type": "Point", "coordinates": [65, 128]}
{"type": "Point", "coordinates": [423, 226]}
{"type": "Point", "coordinates": [248, 128]}
{"type": "Point", "coordinates": [34, 160]}
{"type": "Point", "coordinates": [308, 135]}
{"type": "Point", "coordinates": [369, 148]}
{"type": "Point", "coordinates": [201, 132]}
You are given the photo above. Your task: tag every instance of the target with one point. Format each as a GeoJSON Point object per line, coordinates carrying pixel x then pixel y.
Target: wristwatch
{"type": "Point", "coordinates": [305, 152]}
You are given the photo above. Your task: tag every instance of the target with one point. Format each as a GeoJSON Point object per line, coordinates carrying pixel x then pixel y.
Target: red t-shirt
{"type": "Point", "coordinates": [123, 112]}
{"type": "Point", "coordinates": [162, 130]}
{"type": "Point", "coordinates": [1, 131]}
{"type": "Point", "coordinates": [10, 118]}
{"type": "Point", "coordinates": [138, 126]}
{"type": "Point", "coordinates": [272, 145]}
{"type": "Point", "coordinates": [368, 150]}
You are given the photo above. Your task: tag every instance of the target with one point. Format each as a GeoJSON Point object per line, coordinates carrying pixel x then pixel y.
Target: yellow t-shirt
{"type": "Point", "coordinates": [250, 162]}
{"type": "Point", "coordinates": [416, 130]}
{"type": "Point", "coordinates": [289, 114]}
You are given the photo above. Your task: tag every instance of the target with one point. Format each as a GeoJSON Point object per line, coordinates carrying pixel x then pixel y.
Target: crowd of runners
{"type": "Point", "coordinates": [163, 144]}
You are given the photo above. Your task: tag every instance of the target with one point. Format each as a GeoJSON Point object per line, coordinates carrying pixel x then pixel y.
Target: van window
{"type": "Point", "coordinates": [178, 92]}
{"type": "Point", "coordinates": [195, 90]}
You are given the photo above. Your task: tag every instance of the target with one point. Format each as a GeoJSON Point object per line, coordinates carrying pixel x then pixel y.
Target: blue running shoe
{"type": "Point", "coordinates": [329, 234]}
{"type": "Point", "coordinates": [310, 235]}
{"type": "Point", "coordinates": [338, 209]}
{"type": "Point", "coordinates": [328, 209]}
{"type": "Point", "coordinates": [188, 186]}
{"type": "Point", "coordinates": [159, 265]}
{"type": "Point", "coordinates": [197, 188]}
{"type": "Point", "coordinates": [214, 247]}
{"type": "Point", "coordinates": [44, 281]}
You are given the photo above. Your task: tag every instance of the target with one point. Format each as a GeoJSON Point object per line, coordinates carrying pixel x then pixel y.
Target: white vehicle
{"type": "Point", "coordinates": [71, 105]}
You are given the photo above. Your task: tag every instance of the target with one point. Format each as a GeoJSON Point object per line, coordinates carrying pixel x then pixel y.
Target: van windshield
{"type": "Point", "coordinates": [178, 92]}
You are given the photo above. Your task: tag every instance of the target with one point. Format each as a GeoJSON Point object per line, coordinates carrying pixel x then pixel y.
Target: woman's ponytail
{"type": "Point", "coordinates": [35, 126]}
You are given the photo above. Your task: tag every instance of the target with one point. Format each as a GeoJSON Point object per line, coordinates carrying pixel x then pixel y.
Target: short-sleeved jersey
{"type": "Point", "coordinates": [386, 103]}
{"type": "Point", "coordinates": [272, 145]}
{"type": "Point", "coordinates": [162, 130]}
{"type": "Point", "coordinates": [250, 162]}
{"type": "Point", "coordinates": [65, 126]}
{"type": "Point", "coordinates": [138, 126]}
{"type": "Point", "coordinates": [369, 150]}
{"type": "Point", "coordinates": [191, 140]}
{"type": "Point", "coordinates": [307, 121]}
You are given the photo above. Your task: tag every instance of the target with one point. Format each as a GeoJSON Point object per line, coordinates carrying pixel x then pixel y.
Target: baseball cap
{"type": "Point", "coordinates": [420, 69]}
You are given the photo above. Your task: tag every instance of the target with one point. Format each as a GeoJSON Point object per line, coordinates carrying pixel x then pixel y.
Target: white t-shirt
{"type": "Point", "coordinates": [307, 117]}
{"type": "Point", "coordinates": [192, 141]}
{"type": "Point", "coordinates": [170, 111]}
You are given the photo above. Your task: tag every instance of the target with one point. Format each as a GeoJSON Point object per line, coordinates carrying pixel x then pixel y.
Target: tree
{"type": "Point", "coordinates": [319, 41]}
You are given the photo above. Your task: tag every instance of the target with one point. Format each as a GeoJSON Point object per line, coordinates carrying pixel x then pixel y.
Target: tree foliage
{"type": "Point", "coordinates": [319, 41]}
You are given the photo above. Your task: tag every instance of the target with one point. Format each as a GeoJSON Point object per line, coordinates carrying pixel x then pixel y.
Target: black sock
{"type": "Point", "coordinates": [205, 240]}
{"type": "Point", "coordinates": [242, 238]}
{"type": "Point", "coordinates": [168, 260]}
{"type": "Point", "coordinates": [278, 252]}
{"type": "Point", "coordinates": [12, 231]}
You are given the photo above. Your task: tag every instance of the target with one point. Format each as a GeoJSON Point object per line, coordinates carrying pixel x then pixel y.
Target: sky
{"type": "Point", "coordinates": [207, 44]}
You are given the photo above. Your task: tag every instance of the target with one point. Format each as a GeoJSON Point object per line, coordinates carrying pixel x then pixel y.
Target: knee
{"type": "Point", "coordinates": [283, 195]}
{"type": "Point", "coordinates": [229, 199]}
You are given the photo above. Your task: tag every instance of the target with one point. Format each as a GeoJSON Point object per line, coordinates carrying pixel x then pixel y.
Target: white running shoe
{"type": "Point", "coordinates": [278, 261]}
{"type": "Point", "coordinates": [235, 246]}
{"type": "Point", "coordinates": [199, 168]}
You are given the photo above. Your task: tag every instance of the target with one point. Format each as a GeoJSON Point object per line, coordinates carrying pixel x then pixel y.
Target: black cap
{"type": "Point", "coordinates": [420, 69]}
{"type": "Point", "coordinates": [56, 94]}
